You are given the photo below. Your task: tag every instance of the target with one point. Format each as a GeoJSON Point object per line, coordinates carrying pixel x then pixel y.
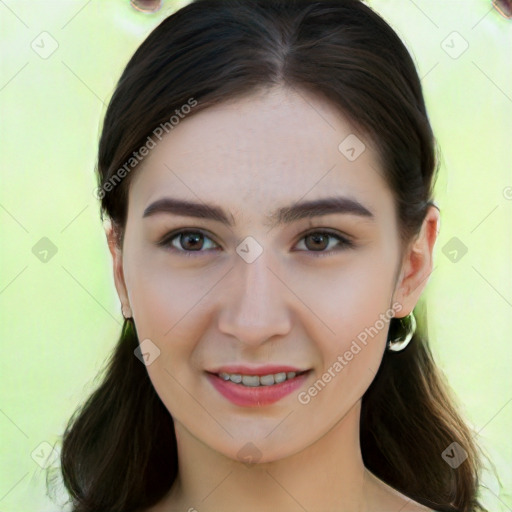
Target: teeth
{"type": "Point", "coordinates": [255, 380]}
{"type": "Point", "coordinates": [266, 380]}
{"type": "Point", "coordinates": [251, 380]}
{"type": "Point", "coordinates": [280, 377]}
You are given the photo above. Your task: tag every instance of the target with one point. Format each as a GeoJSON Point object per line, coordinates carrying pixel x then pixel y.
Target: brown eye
{"type": "Point", "coordinates": [318, 241]}
{"type": "Point", "coordinates": [191, 241]}
{"type": "Point", "coordinates": [187, 242]}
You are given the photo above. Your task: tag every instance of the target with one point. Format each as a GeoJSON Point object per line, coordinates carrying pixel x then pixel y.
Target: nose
{"type": "Point", "coordinates": [255, 306]}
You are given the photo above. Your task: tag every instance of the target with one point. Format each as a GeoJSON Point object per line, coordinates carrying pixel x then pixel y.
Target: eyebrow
{"type": "Point", "coordinates": [281, 216]}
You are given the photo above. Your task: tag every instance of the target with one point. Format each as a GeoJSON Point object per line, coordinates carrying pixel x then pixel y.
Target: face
{"type": "Point", "coordinates": [262, 292]}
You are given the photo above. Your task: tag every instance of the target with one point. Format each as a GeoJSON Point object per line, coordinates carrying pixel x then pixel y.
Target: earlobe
{"type": "Point", "coordinates": [127, 311]}
{"type": "Point", "coordinates": [417, 264]}
{"type": "Point", "coordinates": [113, 241]}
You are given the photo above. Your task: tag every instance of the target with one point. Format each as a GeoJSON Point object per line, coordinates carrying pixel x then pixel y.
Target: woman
{"type": "Point", "coordinates": [267, 168]}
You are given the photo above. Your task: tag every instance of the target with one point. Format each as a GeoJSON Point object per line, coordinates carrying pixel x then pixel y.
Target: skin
{"type": "Point", "coordinates": [289, 306]}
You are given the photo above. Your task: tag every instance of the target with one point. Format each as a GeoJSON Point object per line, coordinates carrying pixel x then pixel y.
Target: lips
{"type": "Point", "coordinates": [254, 395]}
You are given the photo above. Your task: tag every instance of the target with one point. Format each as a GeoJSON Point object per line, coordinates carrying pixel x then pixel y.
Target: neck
{"type": "Point", "coordinates": [327, 475]}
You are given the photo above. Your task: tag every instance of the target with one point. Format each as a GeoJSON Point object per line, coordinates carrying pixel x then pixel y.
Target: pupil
{"type": "Point", "coordinates": [195, 237]}
{"type": "Point", "coordinates": [318, 239]}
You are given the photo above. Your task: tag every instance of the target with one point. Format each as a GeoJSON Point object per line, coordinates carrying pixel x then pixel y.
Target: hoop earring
{"type": "Point", "coordinates": [399, 341]}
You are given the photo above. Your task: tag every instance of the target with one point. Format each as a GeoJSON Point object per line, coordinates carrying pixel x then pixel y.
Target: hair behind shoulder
{"type": "Point", "coordinates": [119, 450]}
{"type": "Point", "coordinates": [408, 419]}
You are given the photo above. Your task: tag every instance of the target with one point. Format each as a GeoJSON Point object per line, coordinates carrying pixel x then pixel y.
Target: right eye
{"type": "Point", "coordinates": [185, 241]}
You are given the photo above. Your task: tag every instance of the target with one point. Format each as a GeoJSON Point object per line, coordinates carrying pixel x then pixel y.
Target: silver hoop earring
{"type": "Point", "coordinates": [398, 341]}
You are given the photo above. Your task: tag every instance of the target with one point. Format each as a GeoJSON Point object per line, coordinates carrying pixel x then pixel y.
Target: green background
{"type": "Point", "coordinates": [61, 317]}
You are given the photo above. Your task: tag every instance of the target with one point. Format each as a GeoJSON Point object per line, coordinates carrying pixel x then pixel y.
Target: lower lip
{"type": "Point", "coordinates": [247, 396]}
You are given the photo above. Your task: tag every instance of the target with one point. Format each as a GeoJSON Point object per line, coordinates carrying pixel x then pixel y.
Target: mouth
{"type": "Point", "coordinates": [250, 390]}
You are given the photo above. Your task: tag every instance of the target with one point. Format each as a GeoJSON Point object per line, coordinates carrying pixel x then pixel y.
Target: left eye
{"type": "Point", "coordinates": [192, 241]}
{"type": "Point", "coordinates": [318, 239]}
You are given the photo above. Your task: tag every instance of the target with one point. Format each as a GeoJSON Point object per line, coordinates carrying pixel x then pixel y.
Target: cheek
{"type": "Point", "coordinates": [352, 298]}
{"type": "Point", "coordinates": [168, 307]}
{"type": "Point", "coordinates": [172, 308]}
{"type": "Point", "coordinates": [357, 310]}
{"type": "Point", "coordinates": [161, 295]}
{"type": "Point", "coordinates": [350, 357]}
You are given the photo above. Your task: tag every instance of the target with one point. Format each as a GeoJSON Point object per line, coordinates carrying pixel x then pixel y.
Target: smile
{"type": "Point", "coordinates": [256, 390]}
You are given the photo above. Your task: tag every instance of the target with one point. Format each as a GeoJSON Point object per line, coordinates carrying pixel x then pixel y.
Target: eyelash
{"type": "Point", "coordinates": [345, 243]}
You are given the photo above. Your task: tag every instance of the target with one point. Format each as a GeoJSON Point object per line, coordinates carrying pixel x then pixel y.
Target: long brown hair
{"type": "Point", "coordinates": [119, 449]}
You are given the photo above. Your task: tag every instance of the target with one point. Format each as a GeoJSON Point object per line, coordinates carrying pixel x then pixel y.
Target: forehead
{"type": "Point", "coordinates": [256, 153]}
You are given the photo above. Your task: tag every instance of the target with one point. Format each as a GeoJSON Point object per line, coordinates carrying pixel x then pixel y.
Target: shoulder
{"type": "Point", "coordinates": [384, 498]}
{"type": "Point", "coordinates": [405, 505]}
{"type": "Point", "coordinates": [413, 506]}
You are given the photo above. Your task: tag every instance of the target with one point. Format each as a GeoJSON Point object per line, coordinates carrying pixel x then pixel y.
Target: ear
{"type": "Point", "coordinates": [114, 245]}
{"type": "Point", "coordinates": [417, 264]}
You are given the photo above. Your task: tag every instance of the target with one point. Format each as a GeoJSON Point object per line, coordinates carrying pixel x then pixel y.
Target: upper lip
{"type": "Point", "coordinates": [256, 370]}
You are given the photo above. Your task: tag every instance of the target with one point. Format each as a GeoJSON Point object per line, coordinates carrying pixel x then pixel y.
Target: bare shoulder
{"type": "Point", "coordinates": [413, 506]}
{"type": "Point", "coordinates": [384, 498]}
{"type": "Point", "coordinates": [392, 503]}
